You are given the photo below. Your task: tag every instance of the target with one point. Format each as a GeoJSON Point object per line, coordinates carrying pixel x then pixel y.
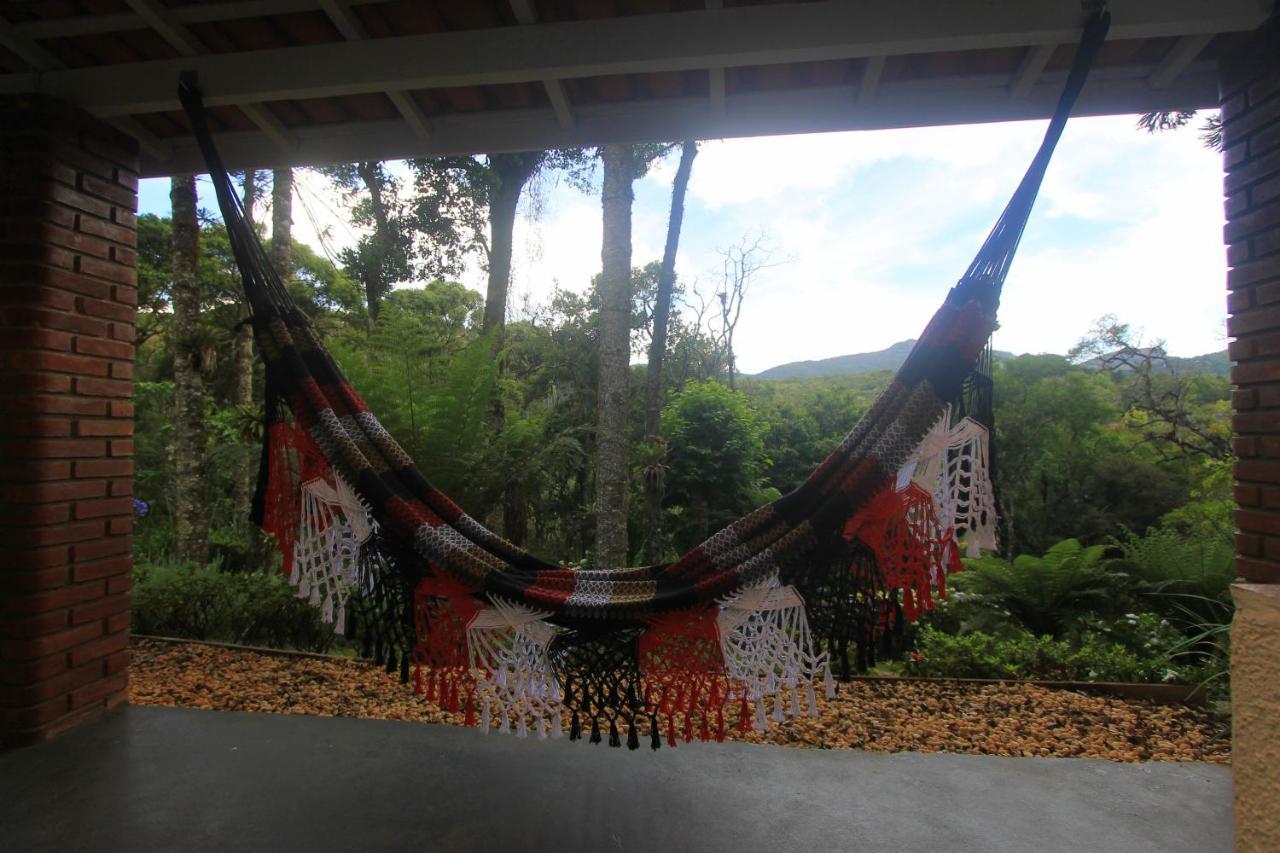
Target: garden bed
{"type": "Point", "coordinates": [889, 715]}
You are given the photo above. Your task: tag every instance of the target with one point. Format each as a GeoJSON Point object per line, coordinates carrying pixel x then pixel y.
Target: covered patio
{"type": "Point", "coordinates": [88, 91]}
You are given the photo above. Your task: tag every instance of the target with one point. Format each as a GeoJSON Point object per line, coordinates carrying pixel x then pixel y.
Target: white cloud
{"type": "Point", "coordinates": [878, 225]}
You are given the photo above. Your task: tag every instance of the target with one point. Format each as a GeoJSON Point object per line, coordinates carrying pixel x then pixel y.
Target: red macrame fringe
{"type": "Point", "coordinates": [683, 674]}
{"type": "Point", "coordinates": [442, 610]}
{"type": "Point", "coordinates": [912, 550]}
{"type": "Point", "coordinates": [294, 459]}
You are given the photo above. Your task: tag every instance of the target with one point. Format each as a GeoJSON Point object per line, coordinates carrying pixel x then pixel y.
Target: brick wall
{"type": "Point", "coordinates": [68, 292]}
{"type": "Point", "coordinates": [1251, 133]}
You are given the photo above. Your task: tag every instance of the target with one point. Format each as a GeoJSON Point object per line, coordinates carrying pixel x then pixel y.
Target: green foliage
{"type": "Point", "coordinates": [251, 608]}
{"type": "Point", "coordinates": [1027, 656]}
{"type": "Point", "coordinates": [715, 458]}
{"type": "Point", "coordinates": [1046, 595]}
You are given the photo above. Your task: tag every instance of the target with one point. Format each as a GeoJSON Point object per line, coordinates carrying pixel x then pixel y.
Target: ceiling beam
{"type": "Point", "coordinates": [1182, 54]}
{"type": "Point", "coordinates": [42, 61]}
{"type": "Point", "coordinates": [559, 98]}
{"type": "Point", "coordinates": [1032, 67]}
{"type": "Point", "coordinates": [352, 29]}
{"type": "Point", "coordinates": [715, 74]}
{"type": "Point", "coordinates": [702, 39]}
{"type": "Point", "coordinates": [173, 31]}
{"type": "Point", "coordinates": [899, 104]}
{"type": "Point", "coordinates": [195, 13]}
{"type": "Point", "coordinates": [870, 79]}
{"type": "Point", "coordinates": [160, 19]}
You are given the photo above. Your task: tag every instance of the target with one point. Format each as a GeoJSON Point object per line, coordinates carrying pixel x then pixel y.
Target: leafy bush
{"type": "Point", "coordinates": [1046, 595]}
{"type": "Point", "coordinates": [1026, 656]}
{"type": "Point", "coordinates": [252, 608]}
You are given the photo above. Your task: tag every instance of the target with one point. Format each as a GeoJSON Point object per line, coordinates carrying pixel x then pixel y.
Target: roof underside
{"type": "Point", "coordinates": [321, 81]}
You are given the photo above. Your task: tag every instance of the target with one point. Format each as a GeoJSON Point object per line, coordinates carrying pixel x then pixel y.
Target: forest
{"type": "Point", "coordinates": [1111, 463]}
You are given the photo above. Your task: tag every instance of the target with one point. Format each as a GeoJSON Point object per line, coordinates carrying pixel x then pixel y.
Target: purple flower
{"type": "Point", "coordinates": [140, 508]}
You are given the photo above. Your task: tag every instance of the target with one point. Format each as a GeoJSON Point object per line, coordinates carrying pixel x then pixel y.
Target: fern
{"type": "Point", "coordinates": [1047, 595]}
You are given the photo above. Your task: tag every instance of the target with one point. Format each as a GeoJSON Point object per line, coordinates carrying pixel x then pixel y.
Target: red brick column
{"type": "Point", "coordinates": [68, 290]}
{"type": "Point", "coordinates": [1251, 133]}
{"type": "Point", "coordinates": [1251, 112]}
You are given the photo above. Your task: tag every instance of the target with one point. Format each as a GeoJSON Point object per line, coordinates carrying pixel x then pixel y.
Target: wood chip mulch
{"type": "Point", "coordinates": [1013, 719]}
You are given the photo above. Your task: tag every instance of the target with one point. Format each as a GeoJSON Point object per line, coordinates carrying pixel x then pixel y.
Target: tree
{"type": "Point", "coordinates": [190, 361]}
{"type": "Point", "coordinates": [1178, 415]}
{"type": "Point", "coordinates": [654, 471]}
{"type": "Point", "coordinates": [717, 457]}
{"type": "Point", "coordinates": [282, 222]}
{"type": "Point", "coordinates": [1210, 130]}
{"type": "Point", "coordinates": [614, 343]}
{"type": "Point", "coordinates": [242, 385]}
{"type": "Point", "coordinates": [509, 174]}
{"type": "Point", "coordinates": [382, 257]}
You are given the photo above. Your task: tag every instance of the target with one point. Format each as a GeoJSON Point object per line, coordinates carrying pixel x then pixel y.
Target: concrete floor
{"type": "Point", "coordinates": [177, 779]}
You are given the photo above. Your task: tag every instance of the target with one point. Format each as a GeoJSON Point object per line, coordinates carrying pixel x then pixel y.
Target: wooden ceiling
{"type": "Point", "coordinates": [316, 81]}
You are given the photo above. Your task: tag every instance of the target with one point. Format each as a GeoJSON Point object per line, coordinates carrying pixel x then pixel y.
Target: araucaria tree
{"type": "Point", "coordinates": [614, 346]}
{"type": "Point", "coordinates": [191, 513]}
{"type": "Point", "coordinates": [655, 470]}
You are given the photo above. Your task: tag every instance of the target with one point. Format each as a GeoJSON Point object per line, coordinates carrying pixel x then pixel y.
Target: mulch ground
{"type": "Point", "coordinates": [1011, 719]}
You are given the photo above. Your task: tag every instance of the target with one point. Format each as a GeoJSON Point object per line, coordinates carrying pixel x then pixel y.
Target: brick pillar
{"type": "Point", "coordinates": [1251, 134]}
{"type": "Point", "coordinates": [68, 291]}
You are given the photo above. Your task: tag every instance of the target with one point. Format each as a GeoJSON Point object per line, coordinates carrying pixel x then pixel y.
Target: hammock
{"type": "Point", "coordinates": [741, 630]}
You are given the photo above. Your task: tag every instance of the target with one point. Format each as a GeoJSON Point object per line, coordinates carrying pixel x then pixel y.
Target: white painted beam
{"type": "Point", "coordinates": [900, 104]}
{"type": "Point", "coordinates": [160, 19]}
{"type": "Point", "coordinates": [41, 60]}
{"type": "Point", "coordinates": [556, 94]}
{"type": "Point", "coordinates": [346, 22]}
{"type": "Point", "coordinates": [195, 13]}
{"type": "Point", "coordinates": [870, 81]}
{"type": "Point", "coordinates": [16, 42]}
{"type": "Point", "coordinates": [340, 12]}
{"type": "Point", "coordinates": [715, 74]}
{"type": "Point", "coordinates": [266, 121]}
{"type": "Point", "coordinates": [751, 35]}
{"type": "Point", "coordinates": [411, 113]}
{"type": "Point", "coordinates": [1032, 67]}
{"type": "Point", "coordinates": [173, 31]}
{"type": "Point", "coordinates": [1182, 54]}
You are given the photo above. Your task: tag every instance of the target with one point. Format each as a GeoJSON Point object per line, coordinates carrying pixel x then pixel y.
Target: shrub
{"type": "Point", "coordinates": [1046, 595]}
{"type": "Point", "coordinates": [252, 608]}
{"type": "Point", "coordinates": [1026, 656]}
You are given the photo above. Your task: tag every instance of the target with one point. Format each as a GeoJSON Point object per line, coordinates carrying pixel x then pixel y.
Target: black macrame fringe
{"type": "Point", "coordinates": [380, 613]}
{"type": "Point", "coordinates": [599, 675]}
{"type": "Point", "coordinates": [851, 611]}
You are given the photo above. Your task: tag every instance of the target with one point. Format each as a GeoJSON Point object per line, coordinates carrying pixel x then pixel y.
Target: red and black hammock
{"type": "Point", "coordinates": [735, 632]}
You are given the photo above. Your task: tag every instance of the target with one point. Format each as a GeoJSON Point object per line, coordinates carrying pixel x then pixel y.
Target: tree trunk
{"type": "Point", "coordinates": [614, 349]}
{"type": "Point", "coordinates": [373, 286]}
{"type": "Point", "coordinates": [191, 509]}
{"type": "Point", "coordinates": [282, 223]}
{"type": "Point", "coordinates": [242, 387]}
{"type": "Point", "coordinates": [654, 474]}
{"type": "Point", "coordinates": [511, 172]}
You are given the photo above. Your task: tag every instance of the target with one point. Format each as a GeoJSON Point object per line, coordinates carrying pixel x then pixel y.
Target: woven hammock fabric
{"type": "Point", "coordinates": [528, 645]}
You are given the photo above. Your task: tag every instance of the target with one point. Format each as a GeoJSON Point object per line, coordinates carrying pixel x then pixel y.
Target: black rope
{"type": "Point", "coordinates": [990, 266]}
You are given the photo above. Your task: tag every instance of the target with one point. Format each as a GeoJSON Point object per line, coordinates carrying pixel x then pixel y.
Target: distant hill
{"type": "Point", "coordinates": [1212, 363]}
{"type": "Point", "coordinates": [892, 357]}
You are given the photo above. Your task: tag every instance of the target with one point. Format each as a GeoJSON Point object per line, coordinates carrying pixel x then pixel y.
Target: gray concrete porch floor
{"type": "Point", "coordinates": [177, 779]}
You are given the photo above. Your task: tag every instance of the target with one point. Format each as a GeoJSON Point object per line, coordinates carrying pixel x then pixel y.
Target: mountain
{"type": "Point", "coordinates": [1211, 363]}
{"type": "Point", "coordinates": [890, 358]}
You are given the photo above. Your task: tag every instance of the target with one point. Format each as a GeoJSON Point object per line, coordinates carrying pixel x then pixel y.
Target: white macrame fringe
{"type": "Point", "coordinates": [326, 554]}
{"type": "Point", "coordinates": [507, 649]}
{"type": "Point", "coordinates": [953, 464]}
{"type": "Point", "coordinates": [768, 649]}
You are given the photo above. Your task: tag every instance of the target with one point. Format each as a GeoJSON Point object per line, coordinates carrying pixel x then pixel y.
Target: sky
{"type": "Point", "coordinates": [867, 231]}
